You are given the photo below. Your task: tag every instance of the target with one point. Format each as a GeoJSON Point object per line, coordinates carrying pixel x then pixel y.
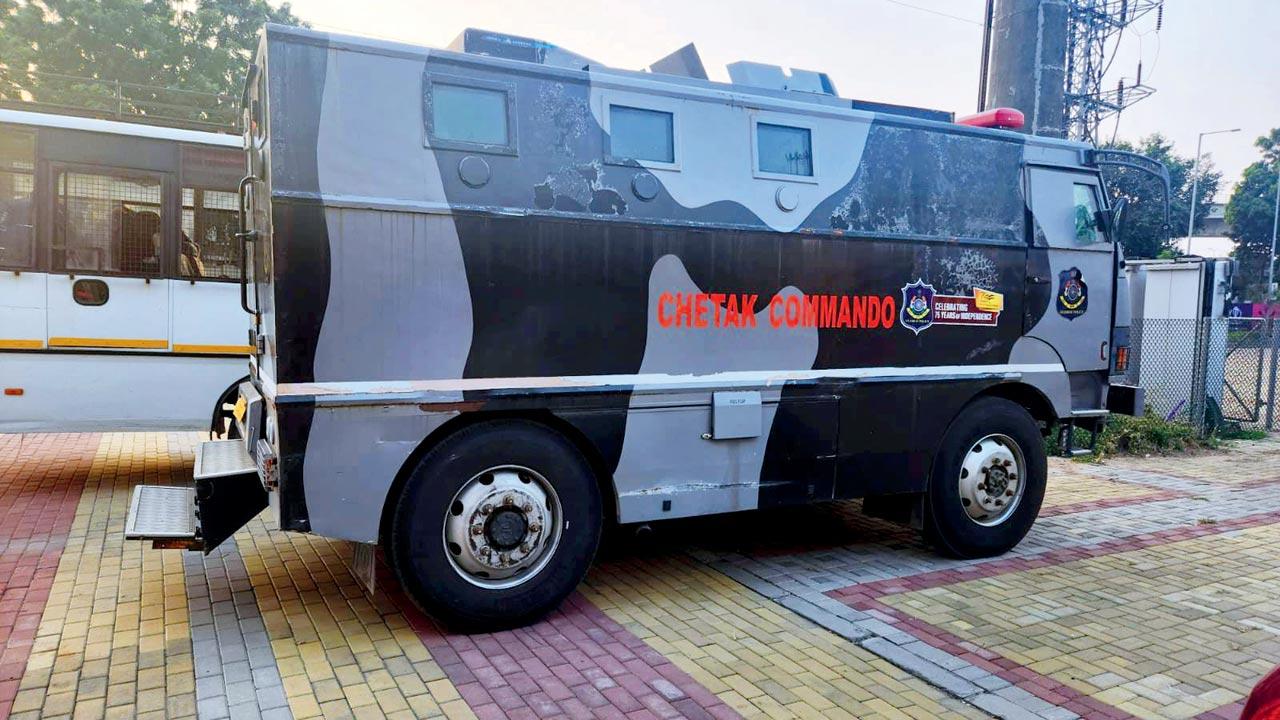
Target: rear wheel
{"type": "Point", "coordinates": [497, 525]}
{"type": "Point", "coordinates": [988, 480]}
{"type": "Point", "coordinates": [223, 426]}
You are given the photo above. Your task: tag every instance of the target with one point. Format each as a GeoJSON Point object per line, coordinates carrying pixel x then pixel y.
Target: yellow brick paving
{"type": "Point", "coordinates": [1164, 632]}
{"type": "Point", "coordinates": [1071, 484]}
{"type": "Point", "coordinates": [761, 659]}
{"type": "Point", "coordinates": [338, 653]}
{"type": "Point", "coordinates": [1247, 462]}
{"type": "Point", "coordinates": [114, 639]}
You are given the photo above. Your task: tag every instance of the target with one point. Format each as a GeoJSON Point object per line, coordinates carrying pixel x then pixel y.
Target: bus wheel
{"type": "Point", "coordinates": [988, 480]}
{"type": "Point", "coordinates": [223, 424]}
{"type": "Point", "coordinates": [497, 525]}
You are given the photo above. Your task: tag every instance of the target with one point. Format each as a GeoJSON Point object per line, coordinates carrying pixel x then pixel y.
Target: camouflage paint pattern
{"type": "Point", "coordinates": [404, 280]}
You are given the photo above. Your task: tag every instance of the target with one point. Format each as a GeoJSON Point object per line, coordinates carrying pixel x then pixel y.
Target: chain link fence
{"type": "Point", "coordinates": [1217, 375]}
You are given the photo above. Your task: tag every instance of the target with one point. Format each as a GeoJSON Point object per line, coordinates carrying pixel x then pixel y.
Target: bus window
{"type": "Point", "coordinates": [208, 245]}
{"type": "Point", "coordinates": [17, 214]}
{"type": "Point", "coordinates": [107, 223]}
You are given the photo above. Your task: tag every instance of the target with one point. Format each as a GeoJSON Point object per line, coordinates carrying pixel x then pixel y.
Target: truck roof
{"type": "Point", "coordinates": [796, 101]}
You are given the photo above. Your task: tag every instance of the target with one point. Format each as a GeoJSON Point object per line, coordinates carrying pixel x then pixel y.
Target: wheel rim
{"type": "Point", "coordinates": [502, 527]}
{"type": "Point", "coordinates": [992, 479]}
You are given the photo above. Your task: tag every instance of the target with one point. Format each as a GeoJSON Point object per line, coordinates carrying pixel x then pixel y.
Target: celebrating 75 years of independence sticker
{"type": "Point", "coordinates": [923, 307]}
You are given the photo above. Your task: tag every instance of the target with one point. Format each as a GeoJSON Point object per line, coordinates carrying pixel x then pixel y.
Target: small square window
{"type": "Point", "coordinates": [784, 150]}
{"type": "Point", "coordinates": [469, 114]}
{"type": "Point", "coordinates": [639, 134]}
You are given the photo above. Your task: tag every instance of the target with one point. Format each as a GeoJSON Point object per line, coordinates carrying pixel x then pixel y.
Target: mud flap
{"type": "Point", "coordinates": [224, 504]}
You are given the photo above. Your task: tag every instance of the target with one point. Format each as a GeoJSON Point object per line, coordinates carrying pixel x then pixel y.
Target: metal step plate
{"type": "Point", "coordinates": [161, 512]}
{"type": "Point", "coordinates": [219, 458]}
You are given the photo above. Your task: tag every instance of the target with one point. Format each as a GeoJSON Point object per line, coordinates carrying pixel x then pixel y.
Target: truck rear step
{"type": "Point", "coordinates": [165, 514]}
{"type": "Point", "coordinates": [227, 494]}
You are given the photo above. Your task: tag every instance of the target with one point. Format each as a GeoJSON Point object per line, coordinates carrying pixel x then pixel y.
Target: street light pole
{"type": "Point", "coordinates": [1275, 224]}
{"type": "Point", "coordinates": [1195, 183]}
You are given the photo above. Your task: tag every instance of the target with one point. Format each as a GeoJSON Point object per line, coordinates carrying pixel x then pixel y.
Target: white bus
{"type": "Point", "coordinates": [119, 274]}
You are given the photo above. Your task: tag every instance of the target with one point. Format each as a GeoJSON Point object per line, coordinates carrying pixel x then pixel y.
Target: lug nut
{"type": "Point", "coordinates": [1008, 493]}
{"type": "Point", "coordinates": [486, 509]}
{"type": "Point", "coordinates": [535, 527]}
{"type": "Point", "coordinates": [982, 486]}
{"type": "Point", "coordinates": [476, 530]}
{"type": "Point", "coordinates": [999, 503]}
{"type": "Point", "coordinates": [508, 501]}
{"type": "Point", "coordinates": [527, 507]}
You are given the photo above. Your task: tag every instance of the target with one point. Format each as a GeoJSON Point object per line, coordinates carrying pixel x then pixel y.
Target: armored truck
{"type": "Point", "coordinates": [502, 295]}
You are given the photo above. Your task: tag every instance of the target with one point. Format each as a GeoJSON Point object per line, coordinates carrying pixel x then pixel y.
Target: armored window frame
{"type": "Point", "coordinates": [670, 106]}
{"type": "Point", "coordinates": [789, 122]}
{"type": "Point", "coordinates": [430, 80]}
{"type": "Point", "coordinates": [618, 158]}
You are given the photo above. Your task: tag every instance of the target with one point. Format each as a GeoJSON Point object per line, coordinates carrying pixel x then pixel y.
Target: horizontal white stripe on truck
{"type": "Point", "coordinates": [449, 390]}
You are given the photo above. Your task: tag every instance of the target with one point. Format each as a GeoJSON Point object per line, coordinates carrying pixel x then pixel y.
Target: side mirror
{"type": "Point", "coordinates": [1109, 219]}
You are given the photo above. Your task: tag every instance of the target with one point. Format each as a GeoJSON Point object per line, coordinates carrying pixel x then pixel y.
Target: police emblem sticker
{"type": "Point", "coordinates": [1073, 294]}
{"type": "Point", "coordinates": [917, 306]}
{"type": "Point", "coordinates": [922, 307]}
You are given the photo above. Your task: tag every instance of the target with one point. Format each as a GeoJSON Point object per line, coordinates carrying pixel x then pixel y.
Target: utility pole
{"type": "Point", "coordinates": [1026, 62]}
{"type": "Point", "coordinates": [1195, 183]}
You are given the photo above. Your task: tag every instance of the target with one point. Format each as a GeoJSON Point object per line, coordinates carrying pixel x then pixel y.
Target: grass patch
{"type": "Point", "coordinates": [1149, 434]}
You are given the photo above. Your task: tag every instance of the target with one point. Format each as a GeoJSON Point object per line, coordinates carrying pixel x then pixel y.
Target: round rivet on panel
{"type": "Point", "coordinates": [787, 198]}
{"type": "Point", "coordinates": [473, 170]}
{"type": "Point", "coordinates": [645, 186]}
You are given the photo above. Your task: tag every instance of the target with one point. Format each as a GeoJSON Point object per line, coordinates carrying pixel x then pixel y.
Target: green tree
{"type": "Point", "coordinates": [168, 59]}
{"type": "Point", "coordinates": [1250, 214]}
{"type": "Point", "coordinates": [1143, 233]}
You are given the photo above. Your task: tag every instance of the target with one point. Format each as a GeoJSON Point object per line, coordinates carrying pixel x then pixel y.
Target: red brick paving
{"type": "Point", "coordinates": [577, 662]}
{"type": "Point", "coordinates": [41, 477]}
{"type": "Point", "coordinates": [1087, 505]}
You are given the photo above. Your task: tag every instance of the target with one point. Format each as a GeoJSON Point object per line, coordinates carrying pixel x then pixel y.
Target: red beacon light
{"type": "Point", "coordinates": [1003, 118]}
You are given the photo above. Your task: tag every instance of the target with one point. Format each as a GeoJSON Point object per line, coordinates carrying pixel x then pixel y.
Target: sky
{"type": "Point", "coordinates": [1215, 64]}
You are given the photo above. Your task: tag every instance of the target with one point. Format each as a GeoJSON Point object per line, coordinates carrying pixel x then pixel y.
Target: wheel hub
{"type": "Point", "coordinates": [506, 528]}
{"type": "Point", "coordinates": [501, 526]}
{"type": "Point", "coordinates": [991, 481]}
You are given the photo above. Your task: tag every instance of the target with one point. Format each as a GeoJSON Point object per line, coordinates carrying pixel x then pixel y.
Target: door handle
{"type": "Point", "coordinates": [1037, 280]}
{"type": "Point", "coordinates": [245, 236]}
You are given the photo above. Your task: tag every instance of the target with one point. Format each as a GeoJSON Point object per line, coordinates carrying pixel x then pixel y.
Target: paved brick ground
{"type": "Point", "coordinates": [1149, 588]}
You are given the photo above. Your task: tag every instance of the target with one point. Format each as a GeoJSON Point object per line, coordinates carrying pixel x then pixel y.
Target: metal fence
{"type": "Point", "coordinates": [1217, 374]}
{"type": "Point", "coordinates": [116, 100]}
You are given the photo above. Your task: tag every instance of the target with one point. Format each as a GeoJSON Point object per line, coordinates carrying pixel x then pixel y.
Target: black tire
{"type": "Point", "coordinates": [417, 536]}
{"type": "Point", "coordinates": [946, 523]}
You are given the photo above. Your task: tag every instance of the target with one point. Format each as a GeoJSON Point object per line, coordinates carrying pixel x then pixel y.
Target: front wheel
{"type": "Point", "coordinates": [497, 525]}
{"type": "Point", "coordinates": [988, 480]}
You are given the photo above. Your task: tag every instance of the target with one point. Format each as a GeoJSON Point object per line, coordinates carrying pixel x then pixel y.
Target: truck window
{"type": "Point", "coordinates": [784, 150]}
{"type": "Point", "coordinates": [17, 213]}
{"type": "Point", "coordinates": [1086, 214]}
{"type": "Point", "coordinates": [107, 223]}
{"type": "Point", "coordinates": [640, 134]}
{"type": "Point", "coordinates": [469, 114]}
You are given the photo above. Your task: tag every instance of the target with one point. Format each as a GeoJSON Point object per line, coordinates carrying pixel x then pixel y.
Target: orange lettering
{"type": "Point", "coordinates": [664, 319]}
{"type": "Point", "coordinates": [700, 316]}
{"type": "Point", "coordinates": [776, 302]}
{"type": "Point", "coordinates": [717, 299]}
{"type": "Point", "coordinates": [684, 310]}
{"type": "Point", "coordinates": [859, 311]}
{"type": "Point", "coordinates": [844, 320]}
{"type": "Point", "coordinates": [888, 310]}
{"type": "Point", "coordinates": [811, 304]}
{"type": "Point", "coordinates": [749, 309]}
